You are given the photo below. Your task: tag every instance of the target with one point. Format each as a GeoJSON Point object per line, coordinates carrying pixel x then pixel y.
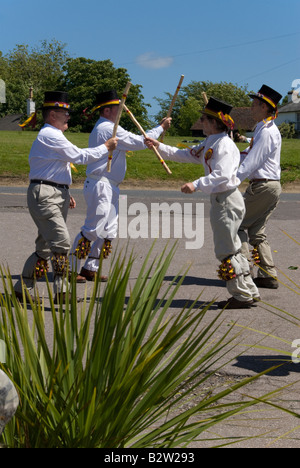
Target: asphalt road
{"type": "Point", "coordinates": [17, 234]}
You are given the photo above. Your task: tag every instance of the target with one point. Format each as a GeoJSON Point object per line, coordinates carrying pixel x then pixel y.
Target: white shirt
{"type": "Point", "coordinates": [51, 154]}
{"type": "Point", "coordinates": [262, 161]}
{"type": "Point", "coordinates": [127, 141]}
{"type": "Point", "coordinates": [220, 158]}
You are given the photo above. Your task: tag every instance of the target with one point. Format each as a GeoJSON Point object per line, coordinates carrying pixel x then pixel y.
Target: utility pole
{"type": "Point", "coordinates": [30, 103]}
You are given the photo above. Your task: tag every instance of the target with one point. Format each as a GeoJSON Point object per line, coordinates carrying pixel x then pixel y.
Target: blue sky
{"type": "Point", "coordinates": [244, 42]}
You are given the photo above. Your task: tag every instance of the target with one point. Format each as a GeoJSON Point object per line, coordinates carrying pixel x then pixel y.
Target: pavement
{"type": "Point", "coordinates": [259, 346]}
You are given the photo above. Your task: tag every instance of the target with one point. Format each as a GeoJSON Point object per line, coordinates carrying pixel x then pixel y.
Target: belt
{"type": "Point", "coordinates": [264, 180]}
{"type": "Point", "coordinates": [48, 182]}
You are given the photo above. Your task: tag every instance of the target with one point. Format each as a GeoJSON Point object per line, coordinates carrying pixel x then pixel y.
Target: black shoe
{"type": "Point", "coordinates": [268, 283]}
{"type": "Point", "coordinates": [233, 303]}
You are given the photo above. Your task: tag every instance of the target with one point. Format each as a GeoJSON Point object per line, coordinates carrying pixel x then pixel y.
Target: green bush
{"type": "Point", "coordinates": [287, 130]}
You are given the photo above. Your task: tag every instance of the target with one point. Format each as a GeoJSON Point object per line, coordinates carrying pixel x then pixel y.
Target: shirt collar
{"type": "Point", "coordinates": [103, 119]}
{"type": "Point", "coordinates": [215, 137]}
{"type": "Point", "coordinates": [46, 125]}
{"type": "Point", "coordinates": [262, 124]}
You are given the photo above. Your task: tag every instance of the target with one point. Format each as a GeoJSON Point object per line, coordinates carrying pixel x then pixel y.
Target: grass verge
{"type": "Point", "coordinates": [141, 165]}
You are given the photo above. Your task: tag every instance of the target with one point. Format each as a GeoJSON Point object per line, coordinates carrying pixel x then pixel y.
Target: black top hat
{"type": "Point", "coordinates": [220, 111]}
{"type": "Point", "coordinates": [268, 95]}
{"type": "Point", "coordinates": [106, 98]}
{"type": "Point", "coordinates": [56, 99]}
{"type": "Point", "coordinates": [53, 100]}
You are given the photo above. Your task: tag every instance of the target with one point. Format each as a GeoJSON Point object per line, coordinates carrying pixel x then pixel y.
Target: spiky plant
{"type": "Point", "coordinates": [119, 367]}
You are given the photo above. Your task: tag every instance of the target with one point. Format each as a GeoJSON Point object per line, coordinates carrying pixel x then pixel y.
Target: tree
{"type": "Point", "coordinates": [40, 67]}
{"type": "Point", "coordinates": [85, 78]}
{"type": "Point", "coordinates": [49, 67]}
{"type": "Point", "coordinates": [3, 67]}
{"type": "Point", "coordinates": [233, 94]}
{"type": "Point", "coordinates": [189, 114]}
{"type": "Point", "coordinates": [165, 105]}
{"type": "Point", "coordinates": [190, 102]}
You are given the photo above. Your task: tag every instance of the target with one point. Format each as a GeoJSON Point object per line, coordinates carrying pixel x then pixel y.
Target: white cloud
{"type": "Point", "coordinates": [151, 60]}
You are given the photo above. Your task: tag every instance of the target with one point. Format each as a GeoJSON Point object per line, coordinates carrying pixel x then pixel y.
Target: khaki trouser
{"type": "Point", "coordinates": [261, 199]}
{"type": "Point", "coordinates": [48, 207]}
{"type": "Point", "coordinates": [226, 215]}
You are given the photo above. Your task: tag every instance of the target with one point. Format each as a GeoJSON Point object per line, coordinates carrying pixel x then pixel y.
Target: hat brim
{"type": "Point", "coordinates": [220, 117]}
{"type": "Point", "coordinates": [113, 102]}
{"type": "Point", "coordinates": [263, 98]}
{"type": "Point", "coordinates": [256, 95]}
{"type": "Point", "coordinates": [54, 105]}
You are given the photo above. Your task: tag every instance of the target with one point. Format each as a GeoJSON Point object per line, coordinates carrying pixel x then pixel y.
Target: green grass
{"type": "Point", "coordinates": [142, 165]}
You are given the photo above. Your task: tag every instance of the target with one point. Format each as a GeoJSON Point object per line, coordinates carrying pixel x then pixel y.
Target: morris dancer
{"type": "Point", "coordinates": [261, 165]}
{"type": "Point", "coordinates": [220, 158]}
{"type": "Point", "coordinates": [101, 188]}
{"type": "Point", "coordinates": [48, 194]}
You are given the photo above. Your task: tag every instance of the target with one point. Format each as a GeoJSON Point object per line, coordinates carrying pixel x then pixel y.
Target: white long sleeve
{"type": "Point", "coordinates": [220, 158]}
{"type": "Point", "coordinates": [187, 155]}
{"type": "Point", "coordinates": [262, 160]}
{"type": "Point", "coordinates": [127, 141]}
{"type": "Point", "coordinates": [51, 154]}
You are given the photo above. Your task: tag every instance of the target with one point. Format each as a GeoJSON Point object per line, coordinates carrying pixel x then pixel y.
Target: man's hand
{"type": "Point", "coordinates": [188, 188]}
{"type": "Point", "coordinates": [151, 143]}
{"type": "Point", "coordinates": [72, 203]}
{"type": "Point", "coordinates": [111, 144]}
{"type": "Point", "coordinates": [166, 123]}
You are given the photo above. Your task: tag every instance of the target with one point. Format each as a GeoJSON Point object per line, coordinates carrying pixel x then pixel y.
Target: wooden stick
{"type": "Point", "coordinates": [117, 121]}
{"type": "Point", "coordinates": [172, 104]}
{"type": "Point", "coordinates": [175, 96]}
{"type": "Point", "coordinates": [205, 99]}
{"type": "Point", "coordinates": [145, 135]}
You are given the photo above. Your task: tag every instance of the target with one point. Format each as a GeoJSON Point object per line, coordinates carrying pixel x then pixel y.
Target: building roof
{"type": "Point", "coordinates": [290, 107]}
{"type": "Point", "coordinates": [242, 117]}
{"type": "Point", "coordinates": [11, 122]}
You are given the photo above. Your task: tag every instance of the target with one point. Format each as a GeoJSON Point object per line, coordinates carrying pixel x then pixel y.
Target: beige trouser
{"type": "Point", "coordinates": [48, 207]}
{"type": "Point", "coordinates": [261, 199]}
{"type": "Point", "coordinates": [227, 211]}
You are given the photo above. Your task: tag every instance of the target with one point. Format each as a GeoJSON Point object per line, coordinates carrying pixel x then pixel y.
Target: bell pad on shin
{"type": "Point", "coordinates": [60, 264]}
{"type": "Point", "coordinates": [41, 268]}
{"type": "Point", "coordinates": [107, 248]}
{"type": "Point", "coordinates": [83, 248]}
{"type": "Point", "coordinates": [226, 271]}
